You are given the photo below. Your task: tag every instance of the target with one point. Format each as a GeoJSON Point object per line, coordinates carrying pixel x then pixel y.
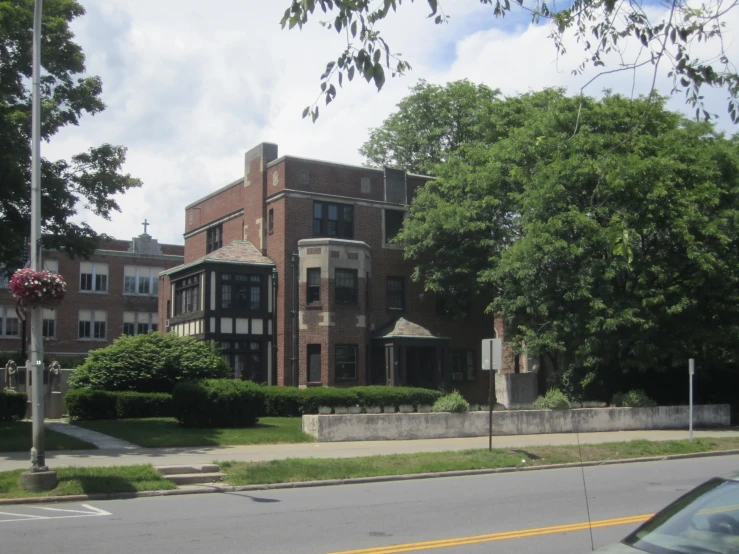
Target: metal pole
{"type": "Point", "coordinates": [491, 394]}
{"type": "Point", "coordinates": [38, 454]}
{"type": "Point", "coordinates": [691, 371]}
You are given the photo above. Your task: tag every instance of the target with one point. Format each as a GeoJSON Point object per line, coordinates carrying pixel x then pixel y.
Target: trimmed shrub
{"type": "Point", "coordinates": [554, 399]}
{"type": "Point", "coordinates": [86, 404]}
{"type": "Point", "coordinates": [149, 363]}
{"type": "Point", "coordinates": [12, 405]}
{"type": "Point", "coordinates": [379, 395]}
{"type": "Point", "coordinates": [218, 403]}
{"type": "Point", "coordinates": [316, 397]}
{"type": "Point", "coordinates": [633, 399]}
{"type": "Point", "coordinates": [283, 401]}
{"type": "Point", "coordinates": [452, 402]}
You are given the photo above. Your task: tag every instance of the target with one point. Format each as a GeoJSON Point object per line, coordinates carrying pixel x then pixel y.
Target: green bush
{"type": "Point", "coordinates": [12, 405]}
{"type": "Point", "coordinates": [314, 398]}
{"type": "Point", "coordinates": [452, 402]}
{"type": "Point", "coordinates": [86, 404]}
{"type": "Point", "coordinates": [633, 399]}
{"type": "Point", "coordinates": [149, 363]}
{"type": "Point", "coordinates": [554, 399]}
{"type": "Point", "coordinates": [379, 395]}
{"type": "Point", "coordinates": [218, 403]}
{"type": "Point", "coordinates": [283, 401]}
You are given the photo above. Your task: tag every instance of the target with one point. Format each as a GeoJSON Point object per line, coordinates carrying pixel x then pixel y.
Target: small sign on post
{"type": "Point", "coordinates": [492, 361]}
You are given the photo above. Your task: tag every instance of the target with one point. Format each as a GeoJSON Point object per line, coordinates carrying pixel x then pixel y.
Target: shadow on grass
{"type": "Point", "coordinates": [103, 484]}
{"type": "Point", "coordinates": [527, 454]}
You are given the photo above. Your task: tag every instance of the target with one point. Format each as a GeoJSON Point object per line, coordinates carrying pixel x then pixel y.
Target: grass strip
{"type": "Point", "coordinates": [317, 469]}
{"type": "Point", "coordinates": [17, 437]}
{"type": "Point", "coordinates": [90, 480]}
{"type": "Point", "coordinates": [166, 432]}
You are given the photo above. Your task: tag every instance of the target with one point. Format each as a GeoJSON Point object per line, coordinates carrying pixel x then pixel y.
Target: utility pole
{"type": "Point", "coordinates": [39, 477]}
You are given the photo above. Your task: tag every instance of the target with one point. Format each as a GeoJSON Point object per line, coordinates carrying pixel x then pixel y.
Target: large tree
{"type": "Point", "coordinates": [613, 250]}
{"type": "Point", "coordinates": [90, 179]}
{"type": "Point", "coordinates": [673, 39]}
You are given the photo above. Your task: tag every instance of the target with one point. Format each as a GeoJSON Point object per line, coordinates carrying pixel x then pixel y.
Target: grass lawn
{"type": "Point", "coordinates": [166, 432]}
{"type": "Point", "coordinates": [315, 469]}
{"type": "Point", "coordinates": [90, 480]}
{"type": "Point", "coordinates": [16, 437]}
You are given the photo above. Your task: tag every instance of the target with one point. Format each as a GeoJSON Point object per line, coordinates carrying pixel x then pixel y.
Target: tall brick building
{"type": "Point", "coordinates": [111, 293]}
{"type": "Point", "coordinates": [291, 269]}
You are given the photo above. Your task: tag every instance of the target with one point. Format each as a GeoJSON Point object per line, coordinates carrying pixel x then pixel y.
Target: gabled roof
{"type": "Point", "coordinates": [241, 252]}
{"type": "Point", "coordinates": [401, 328]}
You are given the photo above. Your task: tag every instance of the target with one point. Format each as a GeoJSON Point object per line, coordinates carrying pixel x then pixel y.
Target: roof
{"type": "Point", "coordinates": [401, 328]}
{"type": "Point", "coordinates": [240, 252]}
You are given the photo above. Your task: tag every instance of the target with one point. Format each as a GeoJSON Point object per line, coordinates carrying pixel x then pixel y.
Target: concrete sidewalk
{"type": "Point", "coordinates": [265, 452]}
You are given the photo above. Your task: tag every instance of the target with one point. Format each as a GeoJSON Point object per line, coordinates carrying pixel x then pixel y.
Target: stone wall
{"type": "Point", "coordinates": [515, 388]}
{"type": "Point", "coordinates": [337, 428]}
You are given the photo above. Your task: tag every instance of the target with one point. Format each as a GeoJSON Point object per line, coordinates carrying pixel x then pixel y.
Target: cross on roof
{"type": "Point", "coordinates": [145, 224]}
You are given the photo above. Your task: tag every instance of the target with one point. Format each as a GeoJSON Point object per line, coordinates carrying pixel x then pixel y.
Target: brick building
{"type": "Point", "coordinates": [291, 269]}
{"type": "Point", "coordinates": [111, 293]}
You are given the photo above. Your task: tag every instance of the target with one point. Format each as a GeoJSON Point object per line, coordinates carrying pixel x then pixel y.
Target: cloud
{"type": "Point", "coordinates": [191, 86]}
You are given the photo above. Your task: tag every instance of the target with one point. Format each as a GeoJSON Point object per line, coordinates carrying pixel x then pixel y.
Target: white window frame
{"type": "Point", "coordinates": [138, 272]}
{"type": "Point", "coordinates": [96, 268]}
{"type": "Point", "coordinates": [136, 318]}
{"type": "Point", "coordinates": [96, 316]}
{"type": "Point", "coordinates": [4, 311]}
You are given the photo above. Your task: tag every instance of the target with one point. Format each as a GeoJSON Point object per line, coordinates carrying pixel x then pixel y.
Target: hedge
{"type": "Point", "coordinates": [292, 402]}
{"type": "Point", "coordinates": [85, 404]}
{"type": "Point", "coordinates": [12, 405]}
{"type": "Point", "coordinates": [218, 403]}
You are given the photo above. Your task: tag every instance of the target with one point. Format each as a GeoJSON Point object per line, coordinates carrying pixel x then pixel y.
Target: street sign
{"type": "Point", "coordinates": [492, 351]}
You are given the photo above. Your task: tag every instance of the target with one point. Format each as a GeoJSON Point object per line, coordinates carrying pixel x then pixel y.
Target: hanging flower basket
{"type": "Point", "coordinates": [34, 289]}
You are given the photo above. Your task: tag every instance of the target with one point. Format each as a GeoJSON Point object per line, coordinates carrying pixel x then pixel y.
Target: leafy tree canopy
{"type": "Point", "coordinates": [601, 27]}
{"type": "Point", "coordinates": [91, 178]}
{"type": "Point", "coordinates": [614, 247]}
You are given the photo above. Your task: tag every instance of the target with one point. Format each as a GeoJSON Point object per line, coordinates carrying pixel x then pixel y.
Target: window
{"type": "Point", "coordinates": [139, 323]}
{"type": "Point", "coordinates": [93, 277]}
{"type": "Point", "coordinates": [463, 365]}
{"type": "Point", "coordinates": [393, 223]}
{"type": "Point", "coordinates": [245, 359]}
{"type": "Point", "coordinates": [333, 220]}
{"type": "Point", "coordinates": [48, 326]}
{"type": "Point", "coordinates": [271, 221]}
{"type": "Point", "coordinates": [241, 292]}
{"type": "Point", "coordinates": [9, 324]}
{"type": "Point", "coordinates": [396, 293]}
{"type": "Point", "coordinates": [92, 324]}
{"type": "Point", "coordinates": [346, 287]}
{"type": "Point", "coordinates": [395, 186]}
{"type": "Point", "coordinates": [346, 362]}
{"type": "Point", "coordinates": [313, 295]}
{"type": "Point", "coordinates": [141, 280]}
{"type": "Point", "coordinates": [214, 238]}
{"type": "Point", "coordinates": [314, 363]}
{"type": "Point", "coordinates": [51, 265]}
{"type": "Point", "coordinates": [187, 295]}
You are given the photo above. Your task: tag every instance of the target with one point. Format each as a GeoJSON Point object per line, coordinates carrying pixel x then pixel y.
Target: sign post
{"type": "Point", "coordinates": [492, 361]}
{"type": "Point", "coordinates": [691, 372]}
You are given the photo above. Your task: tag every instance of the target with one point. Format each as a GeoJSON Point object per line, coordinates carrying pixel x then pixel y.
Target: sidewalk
{"type": "Point", "coordinates": [265, 452]}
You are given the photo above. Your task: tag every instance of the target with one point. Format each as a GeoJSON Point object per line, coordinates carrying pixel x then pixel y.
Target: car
{"type": "Point", "coordinates": [705, 521]}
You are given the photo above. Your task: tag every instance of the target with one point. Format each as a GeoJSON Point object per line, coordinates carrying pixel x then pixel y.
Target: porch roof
{"type": "Point", "coordinates": [401, 328]}
{"type": "Point", "coordinates": [240, 252]}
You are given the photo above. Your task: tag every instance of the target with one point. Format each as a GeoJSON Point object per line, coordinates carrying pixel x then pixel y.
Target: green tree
{"type": "Point", "coordinates": [91, 178]}
{"type": "Point", "coordinates": [430, 123]}
{"type": "Point", "coordinates": [613, 250]}
{"type": "Point", "coordinates": [601, 27]}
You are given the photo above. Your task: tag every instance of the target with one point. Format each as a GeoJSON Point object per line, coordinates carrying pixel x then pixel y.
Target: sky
{"type": "Point", "coordinates": [190, 86]}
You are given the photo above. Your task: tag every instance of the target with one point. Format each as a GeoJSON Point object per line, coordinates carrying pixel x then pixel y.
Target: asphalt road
{"type": "Point", "coordinates": [492, 513]}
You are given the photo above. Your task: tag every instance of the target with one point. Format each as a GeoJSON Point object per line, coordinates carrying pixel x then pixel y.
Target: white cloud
{"type": "Point", "coordinates": [190, 86]}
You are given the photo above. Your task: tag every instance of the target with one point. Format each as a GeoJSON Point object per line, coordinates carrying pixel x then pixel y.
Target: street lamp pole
{"type": "Point", "coordinates": [39, 478]}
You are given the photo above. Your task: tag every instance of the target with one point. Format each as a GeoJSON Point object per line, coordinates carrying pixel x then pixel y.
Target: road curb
{"type": "Point", "coordinates": [217, 488]}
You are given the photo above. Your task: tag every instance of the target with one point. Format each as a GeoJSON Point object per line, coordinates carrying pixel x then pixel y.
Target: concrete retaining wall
{"type": "Point", "coordinates": [54, 404]}
{"type": "Point", "coordinates": [373, 427]}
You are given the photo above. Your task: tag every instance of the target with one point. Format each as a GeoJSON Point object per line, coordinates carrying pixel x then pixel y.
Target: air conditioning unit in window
{"type": "Point", "coordinates": [457, 376]}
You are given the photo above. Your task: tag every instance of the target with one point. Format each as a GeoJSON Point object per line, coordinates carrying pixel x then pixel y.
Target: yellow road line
{"type": "Point", "coordinates": [523, 533]}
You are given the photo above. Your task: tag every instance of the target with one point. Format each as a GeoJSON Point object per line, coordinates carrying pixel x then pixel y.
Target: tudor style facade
{"type": "Point", "coordinates": [336, 304]}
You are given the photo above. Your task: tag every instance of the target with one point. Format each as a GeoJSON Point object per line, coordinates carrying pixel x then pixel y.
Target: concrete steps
{"type": "Point", "coordinates": [191, 475]}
